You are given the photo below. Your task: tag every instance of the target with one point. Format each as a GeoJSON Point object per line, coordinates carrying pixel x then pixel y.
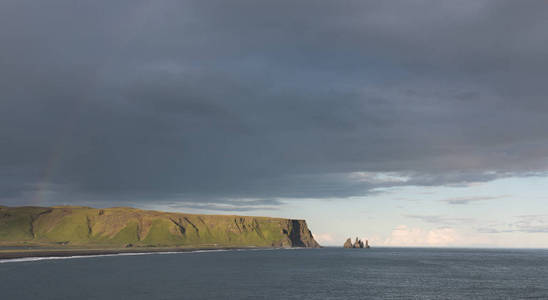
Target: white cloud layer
{"type": "Point", "coordinates": [324, 238]}
{"type": "Point", "coordinates": [407, 236]}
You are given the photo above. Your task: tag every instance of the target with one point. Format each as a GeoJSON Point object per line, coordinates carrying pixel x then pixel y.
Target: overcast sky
{"type": "Point", "coordinates": [430, 114]}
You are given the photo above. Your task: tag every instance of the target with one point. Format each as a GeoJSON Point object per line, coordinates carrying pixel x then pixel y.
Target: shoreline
{"type": "Point", "coordinates": [38, 253]}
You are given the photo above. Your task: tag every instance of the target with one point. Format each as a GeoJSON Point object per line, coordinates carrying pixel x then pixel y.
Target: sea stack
{"type": "Point", "coordinates": [357, 244]}
{"type": "Point", "coordinates": [348, 243]}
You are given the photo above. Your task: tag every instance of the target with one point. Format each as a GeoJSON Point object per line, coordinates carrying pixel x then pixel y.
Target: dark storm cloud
{"type": "Point", "coordinates": [209, 100]}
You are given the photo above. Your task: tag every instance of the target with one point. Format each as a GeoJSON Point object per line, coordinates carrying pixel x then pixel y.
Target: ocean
{"type": "Point", "coordinates": [328, 273]}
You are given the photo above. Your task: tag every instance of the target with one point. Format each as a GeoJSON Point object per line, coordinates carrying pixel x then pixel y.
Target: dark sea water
{"type": "Point", "coordinates": [329, 273]}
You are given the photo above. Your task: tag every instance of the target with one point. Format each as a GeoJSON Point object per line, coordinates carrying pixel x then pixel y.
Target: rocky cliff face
{"type": "Point", "coordinates": [116, 227]}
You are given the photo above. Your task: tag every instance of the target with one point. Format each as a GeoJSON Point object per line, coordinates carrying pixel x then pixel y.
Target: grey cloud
{"type": "Point", "coordinates": [441, 220]}
{"type": "Point", "coordinates": [468, 200]}
{"type": "Point", "coordinates": [230, 205]}
{"type": "Point", "coordinates": [525, 224]}
{"type": "Point", "coordinates": [209, 100]}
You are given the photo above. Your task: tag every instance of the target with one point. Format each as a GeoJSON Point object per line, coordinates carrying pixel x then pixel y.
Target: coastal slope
{"type": "Point", "coordinates": [129, 227]}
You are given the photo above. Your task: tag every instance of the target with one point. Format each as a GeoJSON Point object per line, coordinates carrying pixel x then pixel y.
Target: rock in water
{"type": "Point", "coordinates": [348, 243]}
{"type": "Point", "coordinates": [357, 244]}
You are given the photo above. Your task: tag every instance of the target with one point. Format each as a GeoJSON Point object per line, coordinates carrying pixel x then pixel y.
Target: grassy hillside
{"type": "Point", "coordinates": [130, 227]}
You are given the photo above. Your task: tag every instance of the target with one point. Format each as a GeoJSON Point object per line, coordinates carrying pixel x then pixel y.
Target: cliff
{"type": "Point", "coordinates": [130, 227]}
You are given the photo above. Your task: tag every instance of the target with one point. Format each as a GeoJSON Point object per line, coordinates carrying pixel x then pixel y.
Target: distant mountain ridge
{"type": "Point", "coordinates": [131, 227]}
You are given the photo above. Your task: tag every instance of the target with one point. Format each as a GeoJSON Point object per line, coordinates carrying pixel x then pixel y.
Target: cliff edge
{"type": "Point", "coordinates": [130, 227]}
